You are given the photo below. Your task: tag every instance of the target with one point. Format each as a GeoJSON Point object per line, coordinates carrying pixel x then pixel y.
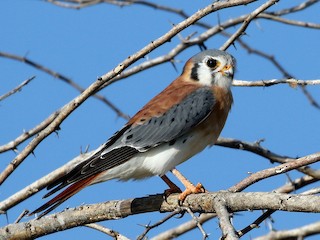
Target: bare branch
{"type": "Point", "coordinates": [107, 231]}
{"type": "Point", "coordinates": [266, 153]}
{"type": "Point", "coordinates": [246, 23]}
{"type": "Point", "coordinates": [291, 186]}
{"type": "Point", "coordinates": [16, 89]}
{"type": "Point", "coordinates": [120, 209]}
{"type": "Point", "coordinates": [12, 145]}
{"type": "Point", "coordinates": [40, 184]}
{"type": "Point", "coordinates": [228, 231]}
{"type": "Point", "coordinates": [272, 59]}
{"type": "Point", "coordinates": [76, 4]}
{"type": "Point", "coordinates": [310, 97]}
{"type": "Point", "coordinates": [267, 83]}
{"type": "Point", "coordinates": [297, 233]}
{"type": "Point", "coordinates": [183, 228]}
{"type": "Point", "coordinates": [283, 168]}
{"type": "Point", "coordinates": [196, 220]}
{"type": "Point", "coordinates": [187, 226]}
{"type": "Point", "coordinates": [149, 227]}
{"type": "Point", "coordinates": [294, 9]}
{"type": "Point", "coordinates": [63, 78]}
{"type": "Point", "coordinates": [290, 22]}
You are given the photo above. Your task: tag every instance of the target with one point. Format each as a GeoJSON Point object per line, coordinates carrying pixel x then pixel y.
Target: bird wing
{"type": "Point", "coordinates": [132, 139]}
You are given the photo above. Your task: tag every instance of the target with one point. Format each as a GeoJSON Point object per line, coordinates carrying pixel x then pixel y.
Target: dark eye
{"type": "Point", "coordinates": [212, 63]}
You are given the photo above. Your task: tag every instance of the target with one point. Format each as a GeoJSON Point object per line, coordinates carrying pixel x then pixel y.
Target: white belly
{"type": "Point", "coordinates": [159, 160]}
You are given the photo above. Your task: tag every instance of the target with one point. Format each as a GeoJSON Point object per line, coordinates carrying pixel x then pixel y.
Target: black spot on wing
{"type": "Point", "coordinates": [173, 123]}
{"type": "Point", "coordinates": [172, 142]}
{"type": "Point", "coordinates": [95, 164]}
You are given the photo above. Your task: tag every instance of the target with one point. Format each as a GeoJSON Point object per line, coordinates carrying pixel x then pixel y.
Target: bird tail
{"type": "Point", "coordinates": [63, 196]}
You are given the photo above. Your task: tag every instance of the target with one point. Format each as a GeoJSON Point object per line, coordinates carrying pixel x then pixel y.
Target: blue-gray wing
{"type": "Point", "coordinates": [132, 139]}
{"type": "Point", "coordinates": [178, 120]}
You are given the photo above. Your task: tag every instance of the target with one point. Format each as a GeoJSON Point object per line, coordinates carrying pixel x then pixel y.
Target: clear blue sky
{"type": "Point", "coordinates": [84, 44]}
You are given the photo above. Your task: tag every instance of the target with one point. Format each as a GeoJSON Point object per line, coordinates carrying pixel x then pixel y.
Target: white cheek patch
{"type": "Point", "coordinates": [204, 75]}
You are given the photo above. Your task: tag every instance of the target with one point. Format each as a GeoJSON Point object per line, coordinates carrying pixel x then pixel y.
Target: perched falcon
{"type": "Point", "coordinates": [176, 124]}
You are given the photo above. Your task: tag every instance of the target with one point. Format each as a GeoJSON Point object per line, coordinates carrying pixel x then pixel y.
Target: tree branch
{"type": "Point", "coordinates": [16, 89]}
{"type": "Point", "coordinates": [263, 152]}
{"type": "Point", "coordinates": [287, 188]}
{"type": "Point", "coordinates": [228, 231]}
{"type": "Point", "coordinates": [267, 83]}
{"type": "Point", "coordinates": [63, 78]}
{"type": "Point", "coordinates": [297, 233]}
{"type": "Point", "coordinates": [107, 231]}
{"type": "Point", "coordinates": [283, 168]}
{"type": "Point", "coordinates": [246, 23]}
{"type": "Point", "coordinates": [120, 209]}
{"type": "Point", "coordinates": [40, 184]}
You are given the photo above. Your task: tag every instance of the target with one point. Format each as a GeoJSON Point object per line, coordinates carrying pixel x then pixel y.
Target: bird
{"type": "Point", "coordinates": [179, 122]}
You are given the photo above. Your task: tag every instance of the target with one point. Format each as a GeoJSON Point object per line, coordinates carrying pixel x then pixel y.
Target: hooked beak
{"type": "Point", "coordinates": [227, 71]}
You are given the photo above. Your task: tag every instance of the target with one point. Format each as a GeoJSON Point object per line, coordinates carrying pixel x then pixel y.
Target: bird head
{"type": "Point", "coordinates": [211, 68]}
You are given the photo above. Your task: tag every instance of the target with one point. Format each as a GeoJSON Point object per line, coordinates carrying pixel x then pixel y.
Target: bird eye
{"type": "Point", "coordinates": [212, 63]}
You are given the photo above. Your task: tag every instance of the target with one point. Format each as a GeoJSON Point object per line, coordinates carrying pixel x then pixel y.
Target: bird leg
{"type": "Point", "coordinates": [172, 187]}
{"type": "Point", "coordinates": [190, 188]}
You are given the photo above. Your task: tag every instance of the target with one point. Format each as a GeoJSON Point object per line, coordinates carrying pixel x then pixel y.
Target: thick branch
{"type": "Point", "coordinates": [227, 229]}
{"type": "Point", "coordinates": [187, 226]}
{"type": "Point", "coordinates": [120, 209]}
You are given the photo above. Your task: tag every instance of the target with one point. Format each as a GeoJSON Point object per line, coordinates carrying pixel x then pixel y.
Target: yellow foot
{"type": "Point", "coordinates": [191, 190]}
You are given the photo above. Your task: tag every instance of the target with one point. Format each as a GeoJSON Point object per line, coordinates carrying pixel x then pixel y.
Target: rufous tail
{"type": "Point", "coordinates": [63, 196]}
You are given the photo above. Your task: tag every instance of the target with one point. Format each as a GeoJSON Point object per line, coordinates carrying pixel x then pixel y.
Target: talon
{"type": "Point", "coordinates": [170, 191]}
{"type": "Point", "coordinates": [200, 188]}
{"type": "Point", "coordinates": [191, 190]}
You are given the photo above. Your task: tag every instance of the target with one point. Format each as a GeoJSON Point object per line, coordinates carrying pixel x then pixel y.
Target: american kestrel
{"type": "Point", "coordinates": [175, 125]}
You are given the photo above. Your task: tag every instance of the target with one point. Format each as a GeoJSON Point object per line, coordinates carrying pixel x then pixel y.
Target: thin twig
{"type": "Point", "coordinates": [296, 233]}
{"type": "Point", "coordinates": [290, 22]}
{"type": "Point", "coordinates": [150, 227]}
{"type": "Point", "coordinates": [294, 9]}
{"type": "Point", "coordinates": [112, 233]}
{"type": "Point", "coordinates": [17, 89]}
{"type": "Point", "coordinates": [12, 145]}
{"type": "Point", "coordinates": [266, 153]}
{"type": "Point", "coordinates": [63, 78]}
{"type": "Point", "coordinates": [283, 168]}
{"type": "Point", "coordinates": [197, 222]}
{"type": "Point", "coordinates": [24, 213]}
{"type": "Point", "coordinates": [267, 83]}
{"type": "Point", "coordinates": [246, 23]}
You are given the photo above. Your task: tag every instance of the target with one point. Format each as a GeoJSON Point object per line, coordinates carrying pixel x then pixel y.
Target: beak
{"type": "Point", "coordinates": [227, 71]}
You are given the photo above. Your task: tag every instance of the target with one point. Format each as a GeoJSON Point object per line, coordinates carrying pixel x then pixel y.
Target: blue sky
{"type": "Point", "coordinates": [84, 44]}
